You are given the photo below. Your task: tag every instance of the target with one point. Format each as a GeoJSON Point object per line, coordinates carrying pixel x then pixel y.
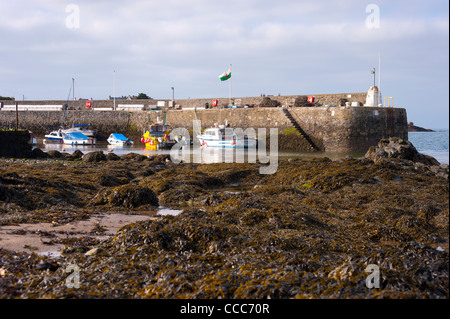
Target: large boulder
{"type": "Point", "coordinates": [395, 148]}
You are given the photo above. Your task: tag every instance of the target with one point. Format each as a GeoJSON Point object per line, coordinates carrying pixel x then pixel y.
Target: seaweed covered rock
{"type": "Point", "coordinates": [396, 148]}
{"type": "Point", "coordinates": [94, 157]}
{"type": "Point", "coordinates": [112, 157]}
{"type": "Point", "coordinates": [77, 155]}
{"type": "Point", "coordinates": [134, 157]}
{"type": "Point", "coordinates": [38, 153]}
{"type": "Point", "coordinates": [54, 154]}
{"type": "Point", "coordinates": [129, 196]}
{"type": "Point", "coordinates": [160, 158]}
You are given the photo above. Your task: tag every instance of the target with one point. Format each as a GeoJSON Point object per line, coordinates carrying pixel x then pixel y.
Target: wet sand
{"type": "Point", "coordinates": [46, 238]}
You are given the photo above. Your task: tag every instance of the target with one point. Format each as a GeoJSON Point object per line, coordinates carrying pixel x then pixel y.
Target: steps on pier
{"type": "Point", "coordinates": [299, 129]}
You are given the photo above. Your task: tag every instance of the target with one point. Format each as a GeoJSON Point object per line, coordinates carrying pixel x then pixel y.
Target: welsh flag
{"type": "Point", "coordinates": [226, 75]}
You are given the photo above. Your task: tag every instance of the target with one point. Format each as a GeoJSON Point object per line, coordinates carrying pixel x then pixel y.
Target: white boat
{"type": "Point", "coordinates": [54, 137]}
{"type": "Point", "coordinates": [80, 128]}
{"type": "Point", "coordinates": [225, 137]}
{"type": "Point", "coordinates": [77, 138]}
{"type": "Point", "coordinates": [119, 139]}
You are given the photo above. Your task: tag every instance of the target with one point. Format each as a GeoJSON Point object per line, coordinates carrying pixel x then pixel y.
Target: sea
{"type": "Point", "coordinates": [435, 144]}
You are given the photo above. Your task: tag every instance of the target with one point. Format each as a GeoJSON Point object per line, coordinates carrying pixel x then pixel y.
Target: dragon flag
{"type": "Point", "coordinates": [226, 75]}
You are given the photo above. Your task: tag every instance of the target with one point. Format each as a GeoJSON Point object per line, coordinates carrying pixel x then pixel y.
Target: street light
{"type": "Point", "coordinates": [373, 72]}
{"type": "Point", "coordinates": [173, 96]}
{"type": "Point", "coordinates": [114, 89]}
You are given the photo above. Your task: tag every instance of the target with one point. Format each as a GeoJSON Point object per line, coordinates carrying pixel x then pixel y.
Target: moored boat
{"type": "Point", "coordinates": [54, 137]}
{"type": "Point", "coordinates": [158, 137]}
{"type": "Point", "coordinates": [221, 136]}
{"type": "Point", "coordinates": [76, 138]}
{"type": "Point", "coordinates": [119, 139]}
{"type": "Point", "coordinates": [80, 128]}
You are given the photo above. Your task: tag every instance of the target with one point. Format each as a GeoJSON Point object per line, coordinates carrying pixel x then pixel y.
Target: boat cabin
{"type": "Point", "coordinates": [218, 133]}
{"type": "Point", "coordinates": [157, 130]}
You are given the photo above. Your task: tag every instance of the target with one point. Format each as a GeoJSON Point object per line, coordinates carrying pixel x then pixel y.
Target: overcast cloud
{"type": "Point", "coordinates": [283, 47]}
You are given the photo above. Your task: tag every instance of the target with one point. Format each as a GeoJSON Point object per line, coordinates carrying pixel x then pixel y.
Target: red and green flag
{"type": "Point", "coordinates": [226, 75]}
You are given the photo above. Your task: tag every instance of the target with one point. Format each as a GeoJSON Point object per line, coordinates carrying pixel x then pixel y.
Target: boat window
{"type": "Point", "coordinates": [158, 128]}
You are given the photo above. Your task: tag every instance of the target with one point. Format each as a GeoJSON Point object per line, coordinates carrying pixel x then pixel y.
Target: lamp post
{"type": "Point", "coordinates": [173, 96]}
{"type": "Point", "coordinates": [114, 89]}
{"type": "Point", "coordinates": [373, 72]}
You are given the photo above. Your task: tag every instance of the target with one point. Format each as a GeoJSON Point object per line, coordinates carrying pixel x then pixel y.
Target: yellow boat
{"type": "Point", "coordinates": [157, 137]}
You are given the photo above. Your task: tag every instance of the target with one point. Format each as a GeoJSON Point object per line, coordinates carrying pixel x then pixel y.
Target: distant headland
{"type": "Point", "coordinates": [414, 128]}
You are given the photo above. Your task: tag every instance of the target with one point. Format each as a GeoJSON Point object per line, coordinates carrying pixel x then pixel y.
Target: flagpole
{"type": "Point", "coordinates": [231, 79]}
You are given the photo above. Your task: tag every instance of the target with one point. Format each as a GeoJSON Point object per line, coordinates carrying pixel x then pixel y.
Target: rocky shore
{"type": "Point", "coordinates": [415, 128]}
{"type": "Point", "coordinates": [308, 231]}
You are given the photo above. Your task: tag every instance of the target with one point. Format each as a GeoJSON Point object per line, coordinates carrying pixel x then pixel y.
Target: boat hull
{"type": "Point", "coordinates": [221, 136]}
{"type": "Point", "coordinates": [119, 140]}
{"type": "Point", "coordinates": [157, 137]}
{"type": "Point", "coordinates": [120, 143]}
{"type": "Point", "coordinates": [75, 139]}
{"type": "Point", "coordinates": [89, 141]}
{"type": "Point", "coordinates": [239, 143]}
{"type": "Point", "coordinates": [154, 144]}
{"type": "Point", "coordinates": [53, 140]}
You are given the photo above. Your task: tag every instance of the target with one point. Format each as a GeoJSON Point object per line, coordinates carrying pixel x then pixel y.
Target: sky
{"type": "Point", "coordinates": [285, 47]}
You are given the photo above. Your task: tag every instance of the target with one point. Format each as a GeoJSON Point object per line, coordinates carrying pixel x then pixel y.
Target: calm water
{"type": "Point", "coordinates": [202, 155]}
{"type": "Point", "coordinates": [435, 144]}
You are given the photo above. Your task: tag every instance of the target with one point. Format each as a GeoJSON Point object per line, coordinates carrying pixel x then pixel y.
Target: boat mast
{"type": "Point", "coordinates": [65, 108]}
{"type": "Point", "coordinates": [73, 98]}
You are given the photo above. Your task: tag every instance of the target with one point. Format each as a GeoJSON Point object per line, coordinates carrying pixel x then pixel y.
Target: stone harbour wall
{"type": "Point", "coordinates": [337, 129]}
{"type": "Point", "coordinates": [288, 100]}
{"type": "Point", "coordinates": [341, 129]}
